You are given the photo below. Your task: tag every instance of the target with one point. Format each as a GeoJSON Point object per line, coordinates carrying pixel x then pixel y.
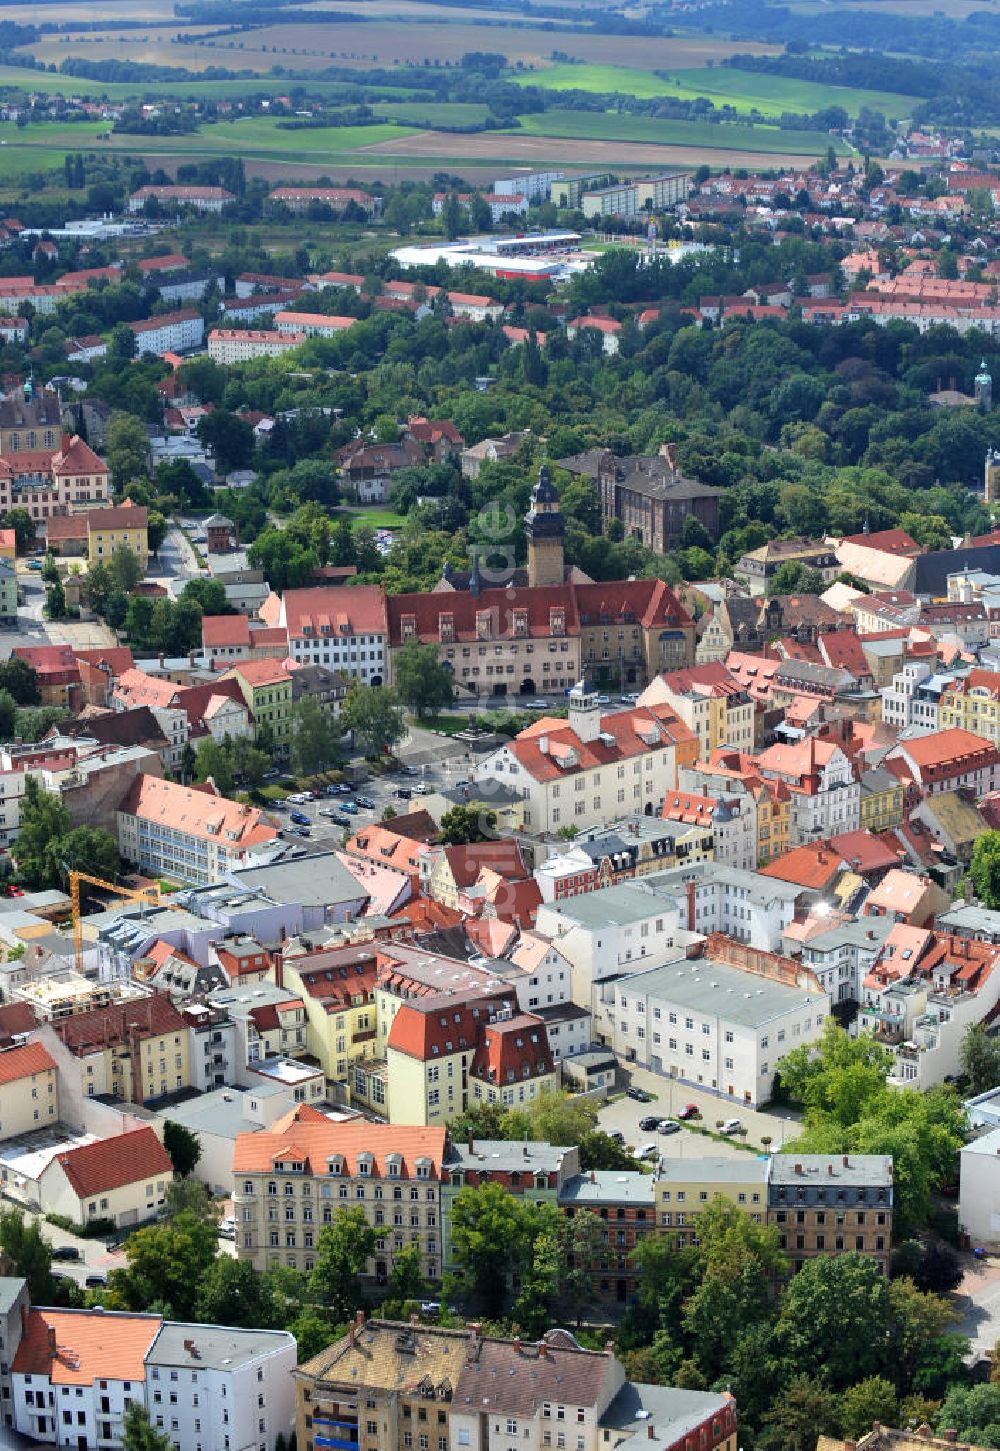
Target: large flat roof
{"type": "Point", "coordinates": [312, 881]}
{"type": "Point", "coordinates": [714, 1169]}
{"type": "Point", "coordinates": [217, 1347]}
{"type": "Point", "coordinates": [703, 986]}
{"type": "Point", "coordinates": [606, 1186]}
{"type": "Point", "coordinates": [613, 906]}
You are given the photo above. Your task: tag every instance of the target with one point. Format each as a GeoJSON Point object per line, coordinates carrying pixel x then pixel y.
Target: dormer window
{"type": "Point", "coordinates": [483, 625]}
{"type": "Point", "coordinates": [408, 627]}
{"type": "Point", "coordinates": [394, 1165]}
{"type": "Point", "coordinates": [520, 624]}
{"type": "Point", "coordinates": [365, 1162]}
{"type": "Point", "coordinates": [557, 621]}
{"type": "Point", "coordinates": [446, 628]}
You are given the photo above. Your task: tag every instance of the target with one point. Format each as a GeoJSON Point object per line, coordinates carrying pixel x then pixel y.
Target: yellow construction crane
{"type": "Point", "coordinates": [149, 894]}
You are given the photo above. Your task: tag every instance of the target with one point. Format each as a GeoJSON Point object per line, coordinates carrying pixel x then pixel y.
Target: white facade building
{"type": "Point", "coordinates": [173, 332]}
{"type": "Point", "coordinates": [745, 905]}
{"type": "Point", "coordinates": [715, 1026]}
{"type": "Point", "coordinates": [233, 345]}
{"type": "Point", "coordinates": [914, 697]}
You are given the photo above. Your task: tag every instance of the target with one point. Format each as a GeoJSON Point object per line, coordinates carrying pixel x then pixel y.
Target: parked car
{"type": "Point", "coordinates": [365, 802]}
{"type": "Point", "coordinates": [617, 1136]}
{"type": "Point", "coordinates": [669, 1126]}
{"type": "Point", "coordinates": [349, 807]}
{"type": "Point", "coordinates": [421, 789]}
{"type": "Point", "coordinates": [34, 564]}
{"type": "Point", "coordinates": [647, 1151]}
{"type": "Point", "coordinates": [403, 793]}
{"type": "Point", "coordinates": [690, 1110]}
{"type": "Point", "coordinates": [650, 1123]}
{"type": "Point", "coordinates": [66, 1252]}
{"type": "Point", "coordinates": [96, 1282]}
{"type": "Point", "coordinates": [300, 818]}
{"type": "Point", "coordinates": [339, 819]}
{"type": "Point", "coordinates": [300, 797]}
{"type": "Point", "coordinates": [732, 1126]}
{"type": "Point", "coordinates": [604, 700]}
{"type": "Point", "coordinates": [536, 705]}
{"type": "Point", "coordinates": [430, 1307]}
{"type": "Point", "coordinates": [639, 1094]}
{"type": "Point", "coordinates": [227, 1227]}
{"type": "Point", "coordinates": [302, 831]}
{"type": "Point", "coordinates": [343, 789]}
{"type": "Point", "coordinates": [408, 771]}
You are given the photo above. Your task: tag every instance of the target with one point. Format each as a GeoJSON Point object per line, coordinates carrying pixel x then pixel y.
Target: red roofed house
{"type": "Point", "coordinates": [440, 1051]}
{"type": "Point", "coordinates": [439, 437]}
{"type": "Point", "coordinates": [342, 628]}
{"type": "Point", "coordinates": [366, 1163]}
{"type": "Point", "coordinates": [94, 1362]}
{"type": "Point", "coordinates": [29, 1090]}
{"type": "Point", "coordinates": [68, 481]}
{"type": "Point", "coordinates": [188, 834]}
{"type": "Point", "coordinates": [946, 760]}
{"type": "Point", "coordinates": [825, 795]}
{"type": "Point", "coordinates": [710, 701]}
{"type": "Point", "coordinates": [629, 760]}
{"type": "Point", "coordinates": [123, 1178]}
{"type": "Point", "coordinates": [608, 328]}
{"type": "Point", "coordinates": [815, 867]}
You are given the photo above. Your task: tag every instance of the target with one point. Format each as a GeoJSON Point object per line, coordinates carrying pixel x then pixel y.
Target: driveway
{"type": "Point", "coordinates": [978, 1298]}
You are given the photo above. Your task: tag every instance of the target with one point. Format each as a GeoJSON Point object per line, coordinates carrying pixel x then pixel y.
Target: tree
{"type": "Point", "coordinates": [210, 594]}
{"type": "Point", "coordinates": [124, 569]}
{"type": "Point", "coordinates": [21, 680]}
{"type": "Point", "coordinates": [493, 1240]}
{"type": "Point", "coordinates": [464, 824]}
{"type": "Point", "coordinates": [980, 1059]}
{"type": "Point", "coordinates": [916, 1324]}
{"type": "Point", "coordinates": [184, 1149]}
{"type": "Point", "coordinates": [372, 712]}
{"type": "Point", "coordinates": [126, 450]}
{"type": "Point", "coordinates": [230, 438]}
{"type": "Point", "coordinates": [973, 1412]}
{"type": "Point", "coordinates": [24, 529]}
{"type": "Point", "coordinates": [193, 1196]}
{"type": "Point", "coordinates": [8, 715]}
{"type": "Point", "coordinates": [156, 530]}
{"type": "Point", "coordinates": [139, 1434]}
{"type": "Point", "coordinates": [232, 1292]}
{"type": "Point", "coordinates": [343, 1249]}
{"type": "Point", "coordinates": [286, 563]}
{"type": "Point", "coordinates": [29, 1253]}
{"type": "Point", "coordinates": [314, 1330]}
{"type": "Point", "coordinates": [834, 1318]}
{"type": "Point", "coordinates": [873, 1399]}
{"type": "Point", "coordinates": [406, 1279]}
{"type": "Point", "coordinates": [804, 1410]}
{"type": "Point", "coordinates": [122, 344]}
{"type": "Point", "coordinates": [44, 821]}
{"type": "Point", "coordinates": [985, 868]}
{"type": "Point", "coordinates": [55, 601]}
{"type": "Point", "coordinates": [423, 681]}
{"type": "Point", "coordinates": [166, 1265]}
{"type": "Point", "coordinates": [316, 734]}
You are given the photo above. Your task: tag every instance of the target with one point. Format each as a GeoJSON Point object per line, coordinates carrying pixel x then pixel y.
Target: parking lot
{"type": "Point", "coordinates": [670, 1097]}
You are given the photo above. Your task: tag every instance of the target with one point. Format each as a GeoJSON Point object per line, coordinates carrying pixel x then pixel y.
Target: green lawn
{"type": "Point", "coordinates": [377, 518]}
{"type": "Point", "coordinates": [609, 126]}
{"type": "Point", "coordinates": [258, 135]}
{"type": "Point", "coordinates": [52, 84]}
{"type": "Point", "coordinates": [746, 90]}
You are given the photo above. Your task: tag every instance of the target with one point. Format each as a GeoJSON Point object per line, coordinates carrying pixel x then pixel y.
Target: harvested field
{"type": "Point", "coordinates": [513, 148]}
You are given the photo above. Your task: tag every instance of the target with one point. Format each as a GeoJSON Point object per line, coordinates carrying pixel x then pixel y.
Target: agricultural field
{"type": "Point", "coordinates": [744, 90]}
{"type": "Point", "coordinates": [610, 126]}
{"type": "Point", "coordinates": [431, 113]}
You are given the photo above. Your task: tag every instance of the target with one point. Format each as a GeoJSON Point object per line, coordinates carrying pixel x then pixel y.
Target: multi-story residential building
{"type": "Point", "coordinates": [336, 988]}
{"type": "Point", "coordinates": [133, 1050]}
{"type": "Point", "coordinates": [29, 419]}
{"type": "Point", "coordinates": [188, 834]}
{"type": "Point", "coordinates": [880, 806]}
{"type": "Point", "coordinates": [445, 871]}
{"type": "Point", "coordinates": [444, 1053]}
{"type": "Point", "coordinates": [759, 566]}
{"type": "Point", "coordinates": [842, 956]}
{"type": "Point", "coordinates": [48, 483]}
{"type": "Point", "coordinates": [631, 629]}
{"type": "Point", "coordinates": [737, 772]}
{"type": "Point", "coordinates": [915, 695]}
{"type": "Point", "coordinates": [233, 345]}
{"type": "Point", "coordinates": [29, 1090]}
{"type": "Point", "coordinates": [336, 198]}
{"type": "Point", "coordinates": [948, 759]}
{"type": "Point", "coordinates": [722, 1027]}
{"type": "Point", "coordinates": [746, 906]}
{"type": "Point", "coordinates": [170, 332]}
{"type": "Point", "coordinates": [8, 592]}
{"type": "Point", "coordinates": [266, 687]}
{"type": "Point", "coordinates": [824, 1204]}
{"type": "Point", "coordinates": [76, 1372]}
{"type": "Point", "coordinates": [710, 702]}
{"type": "Point", "coordinates": [344, 629]}
{"type": "Point", "coordinates": [181, 198]}
{"type": "Point", "coordinates": [534, 1169]}
{"type": "Point", "coordinates": [594, 766]}
{"type": "Point", "coordinates": [312, 324]}
{"type": "Point", "coordinates": [645, 194]}
{"type": "Point", "coordinates": [684, 1188]}
{"type": "Point", "coordinates": [972, 703]}
{"type": "Point", "coordinates": [627, 1205]}
{"type": "Point", "coordinates": [122, 1179]}
{"type": "Point", "coordinates": [825, 795]}
{"type": "Point", "coordinates": [291, 1179]}
{"type": "Point", "coordinates": [118, 528]}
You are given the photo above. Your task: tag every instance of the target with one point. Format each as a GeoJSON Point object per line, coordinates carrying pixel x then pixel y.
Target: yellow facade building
{"type": "Point", "coordinates": [29, 1090]}
{"type": "Point", "coordinates": [973, 704]}
{"type": "Point", "coordinates": [881, 804]}
{"type": "Point", "coordinates": [123, 527]}
{"type": "Point", "coordinates": [132, 1051]}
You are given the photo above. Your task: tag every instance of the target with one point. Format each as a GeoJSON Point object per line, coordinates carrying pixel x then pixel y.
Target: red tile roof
{"type": "Point", "coordinates": [503, 856]}
{"type": "Point", "coordinates": [633, 732]}
{"type": "Point", "coordinates": [711, 679]}
{"type": "Point", "coordinates": [865, 852]}
{"type": "Point", "coordinates": [100, 1028]}
{"type": "Point", "coordinates": [89, 1347]}
{"type": "Point", "coordinates": [127, 1158]}
{"type": "Point", "coordinates": [24, 1062]}
{"type": "Point", "coordinates": [313, 1144]}
{"type": "Point", "coordinates": [428, 616]}
{"type": "Point", "coordinates": [513, 1051]}
{"type": "Point", "coordinates": [813, 866]}
{"type": "Point", "coordinates": [260, 672]}
{"type": "Point", "coordinates": [197, 813]}
{"type": "Point", "coordinates": [437, 1026]}
{"type": "Point", "coordinates": [342, 610]}
{"type": "Point", "coordinates": [218, 631]}
{"type": "Point", "coordinates": [15, 1018]}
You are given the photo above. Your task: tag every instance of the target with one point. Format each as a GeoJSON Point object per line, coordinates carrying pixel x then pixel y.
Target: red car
{"type": "Point", "coordinates": [690, 1110]}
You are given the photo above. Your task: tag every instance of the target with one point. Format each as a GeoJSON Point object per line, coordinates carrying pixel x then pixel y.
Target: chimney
{"type": "Point", "coordinates": [414, 1319]}
{"type": "Point", "coordinates": [517, 1345]}
{"type": "Point", "coordinates": [52, 1339]}
{"type": "Point", "coordinates": [691, 893]}
{"type": "Point", "coordinates": [593, 1176]}
{"type": "Point", "coordinates": [829, 1169]}
{"type": "Point", "coordinates": [651, 1431]}
{"type": "Point", "coordinates": [950, 1436]}
{"type": "Point", "coordinates": [543, 1350]}
{"type": "Point", "coordinates": [350, 1335]}
{"type": "Point", "coordinates": [847, 1162]}
{"type": "Point", "coordinates": [279, 970]}
{"type": "Point", "coordinates": [469, 1140]}
{"type": "Point", "coordinates": [798, 1168]}
{"type": "Point", "coordinates": [359, 1319]}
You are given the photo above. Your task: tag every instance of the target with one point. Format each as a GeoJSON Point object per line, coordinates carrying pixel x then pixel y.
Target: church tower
{"type": "Point", "coordinates": [984, 388]}
{"type": "Point", "coordinates": [546, 529]}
